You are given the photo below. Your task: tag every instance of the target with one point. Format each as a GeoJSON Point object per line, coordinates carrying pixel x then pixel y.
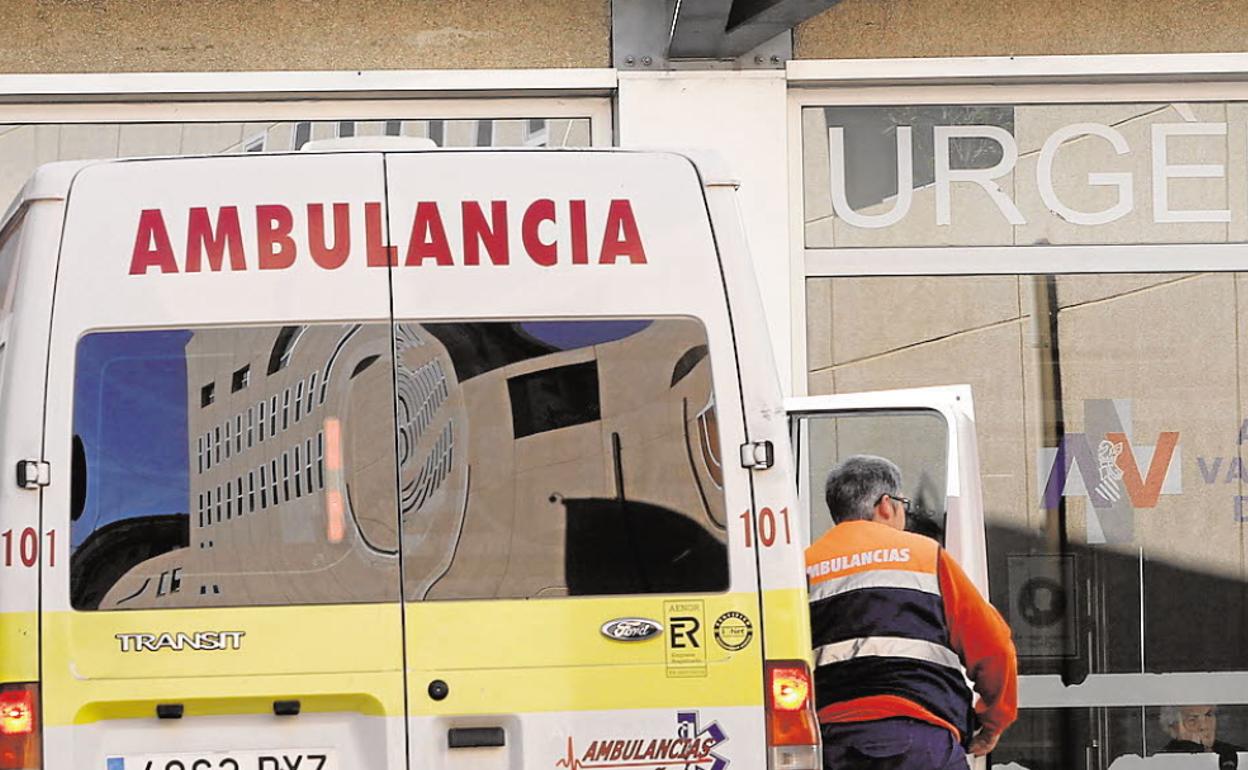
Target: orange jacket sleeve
{"type": "Point", "coordinates": [981, 637]}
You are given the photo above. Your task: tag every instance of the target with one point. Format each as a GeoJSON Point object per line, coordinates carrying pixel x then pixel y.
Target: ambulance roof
{"type": "Point", "coordinates": [52, 181]}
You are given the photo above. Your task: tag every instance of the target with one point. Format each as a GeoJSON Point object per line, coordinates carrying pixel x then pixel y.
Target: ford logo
{"type": "Point", "coordinates": [631, 629]}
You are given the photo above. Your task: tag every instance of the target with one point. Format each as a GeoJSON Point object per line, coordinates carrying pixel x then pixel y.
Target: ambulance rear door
{"type": "Point", "coordinates": [928, 432]}
{"type": "Point", "coordinates": [569, 413]}
{"type": "Point", "coordinates": [224, 589]}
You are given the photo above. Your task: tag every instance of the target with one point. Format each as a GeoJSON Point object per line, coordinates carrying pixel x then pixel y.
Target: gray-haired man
{"type": "Point", "coordinates": [895, 621]}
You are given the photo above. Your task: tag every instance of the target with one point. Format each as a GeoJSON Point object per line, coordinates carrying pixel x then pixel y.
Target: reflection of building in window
{"type": "Point", "coordinates": [592, 464]}
{"type": "Point", "coordinates": [437, 132]}
{"type": "Point", "coordinates": [255, 144]}
{"type": "Point", "coordinates": [536, 133]}
{"type": "Point", "coordinates": [258, 484]}
{"type": "Point", "coordinates": [554, 398]}
{"type": "Point", "coordinates": [532, 460]}
{"type": "Point", "coordinates": [285, 343]}
{"type": "Point", "coordinates": [485, 133]}
{"type": "Point", "coordinates": [301, 135]}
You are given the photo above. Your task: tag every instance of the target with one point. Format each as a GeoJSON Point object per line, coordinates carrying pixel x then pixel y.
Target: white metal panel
{"type": "Point", "coordinates": [1018, 69]}
{"type": "Point", "coordinates": [104, 229]}
{"type": "Point", "coordinates": [740, 116]}
{"type": "Point", "coordinates": [1009, 260]}
{"type": "Point", "coordinates": [183, 85]}
{"type": "Point", "coordinates": [22, 404]}
{"type": "Point", "coordinates": [1174, 689]}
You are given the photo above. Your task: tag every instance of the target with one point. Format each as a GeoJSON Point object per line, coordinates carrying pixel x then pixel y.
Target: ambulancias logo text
{"type": "Point", "coordinates": [690, 749]}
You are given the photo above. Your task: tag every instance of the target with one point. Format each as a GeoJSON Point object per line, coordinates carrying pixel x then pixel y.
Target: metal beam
{"type": "Point", "coordinates": [698, 28]}
{"type": "Point", "coordinates": [753, 22]}
{"type": "Point", "coordinates": [645, 32]}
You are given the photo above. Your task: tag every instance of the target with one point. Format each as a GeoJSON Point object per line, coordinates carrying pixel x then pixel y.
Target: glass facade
{"type": "Point", "coordinates": [1109, 405]}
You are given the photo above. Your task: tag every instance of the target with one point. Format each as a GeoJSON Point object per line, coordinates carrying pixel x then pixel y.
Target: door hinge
{"type": "Point", "coordinates": [32, 474]}
{"type": "Point", "coordinates": [758, 455]}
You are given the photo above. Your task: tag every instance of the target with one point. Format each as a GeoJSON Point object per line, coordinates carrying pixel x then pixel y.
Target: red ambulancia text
{"type": "Point", "coordinates": [214, 240]}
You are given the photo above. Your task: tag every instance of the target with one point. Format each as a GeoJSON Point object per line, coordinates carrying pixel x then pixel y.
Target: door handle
{"type": "Point", "coordinates": [475, 737]}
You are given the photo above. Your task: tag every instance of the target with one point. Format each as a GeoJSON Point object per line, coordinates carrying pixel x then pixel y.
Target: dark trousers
{"type": "Point", "coordinates": [891, 744]}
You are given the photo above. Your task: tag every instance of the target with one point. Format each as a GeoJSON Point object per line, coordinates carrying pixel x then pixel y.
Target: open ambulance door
{"type": "Point", "coordinates": [928, 432]}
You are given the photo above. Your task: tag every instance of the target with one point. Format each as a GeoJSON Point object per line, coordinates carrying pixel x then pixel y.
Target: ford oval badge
{"type": "Point", "coordinates": [631, 629]}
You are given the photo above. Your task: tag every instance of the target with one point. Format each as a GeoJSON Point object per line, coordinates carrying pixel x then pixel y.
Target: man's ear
{"type": "Point", "coordinates": [884, 511]}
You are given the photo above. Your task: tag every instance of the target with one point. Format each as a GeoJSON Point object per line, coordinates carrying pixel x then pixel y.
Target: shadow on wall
{"type": "Point", "coordinates": [1108, 609]}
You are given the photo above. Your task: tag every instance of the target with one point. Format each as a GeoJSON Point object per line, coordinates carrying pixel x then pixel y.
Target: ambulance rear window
{"type": "Point", "coordinates": [503, 459]}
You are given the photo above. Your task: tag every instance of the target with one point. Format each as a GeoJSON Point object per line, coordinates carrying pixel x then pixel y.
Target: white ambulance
{"type": "Point", "coordinates": [413, 459]}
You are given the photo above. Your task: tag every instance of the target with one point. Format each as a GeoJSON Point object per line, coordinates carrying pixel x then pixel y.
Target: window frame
{"type": "Point", "coordinates": [1164, 78]}
{"type": "Point", "coordinates": [1033, 80]}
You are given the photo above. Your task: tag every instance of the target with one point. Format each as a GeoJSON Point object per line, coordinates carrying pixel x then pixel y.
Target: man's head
{"type": "Point", "coordinates": [1198, 724]}
{"type": "Point", "coordinates": [867, 488]}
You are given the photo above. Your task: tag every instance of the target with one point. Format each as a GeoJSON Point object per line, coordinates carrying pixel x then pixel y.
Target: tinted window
{"type": "Point", "coordinates": [915, 440]}
{"type": "Point", "coordinates": [533, 460]}
{"type": "Point", "coordinates": [185, 503]}
{"type": "Point", "coordinates": [559, 458]}
{"type": "Point", "coordinates": [554, 398]}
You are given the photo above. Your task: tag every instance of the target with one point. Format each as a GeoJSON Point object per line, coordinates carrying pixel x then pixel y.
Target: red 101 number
{"type": "Point", "coordinates": [22, 548]}
{"type": "Point", "coordinates": [767, 527]}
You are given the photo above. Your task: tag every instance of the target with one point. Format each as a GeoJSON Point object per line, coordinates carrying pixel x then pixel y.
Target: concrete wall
{"type": "Point", "coordinates": [190, 36]}
{"type": "Point", "coordinates": [904, 28]}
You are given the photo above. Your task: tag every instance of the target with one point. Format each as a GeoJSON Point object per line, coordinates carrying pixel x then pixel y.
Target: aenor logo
{"type": "Point", "coordinates": [201, 641]}
{"type": "Point", "coordinates": [321, 233]}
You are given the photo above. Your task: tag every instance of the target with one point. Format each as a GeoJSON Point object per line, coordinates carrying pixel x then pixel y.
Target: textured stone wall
{"type": "Point", "coordinates": [197, 35]}
{"type": "Point", "coordinates": [904, 28]}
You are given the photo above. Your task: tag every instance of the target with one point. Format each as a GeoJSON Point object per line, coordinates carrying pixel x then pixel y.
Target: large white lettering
{"type": "Point", "coordinates": [905, 182]}
{"type": "Point", "coordinates": [1163, 172]}
{"type": "Point", "coordinates": [1057, 167]}
{"type": "Point", "coordinates": [1121, 180]}
{"type": "Point", "coordinates": [984, 177]}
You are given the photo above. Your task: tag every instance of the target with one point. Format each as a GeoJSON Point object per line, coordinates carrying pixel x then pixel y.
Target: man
{"type": "Point", "coordinates": [895, 621]}
{"type": "Point", "coordinates": [1194, 730]}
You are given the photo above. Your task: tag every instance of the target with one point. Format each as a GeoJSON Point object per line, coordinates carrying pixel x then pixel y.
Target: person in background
{"type": "Point", "coordinates": [895, 623]}
{"type": "Point", "coordinates": [1194, 730]}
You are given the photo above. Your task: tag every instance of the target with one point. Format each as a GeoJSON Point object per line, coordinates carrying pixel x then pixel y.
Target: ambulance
{"type": "Point", "coordinates": [404, 458]}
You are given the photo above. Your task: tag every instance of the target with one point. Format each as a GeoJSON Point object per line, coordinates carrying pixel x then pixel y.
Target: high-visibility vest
{"type": "Point", "coordinates": [878, 622]}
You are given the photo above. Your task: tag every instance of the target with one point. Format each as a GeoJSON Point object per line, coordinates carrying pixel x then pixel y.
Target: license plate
{"type": "Point", "coordinates": [262, 759]}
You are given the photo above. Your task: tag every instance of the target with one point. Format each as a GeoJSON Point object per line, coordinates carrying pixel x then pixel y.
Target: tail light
{"type": "Point", "coordinates": [792, 730]}
{"type": "Point", "coordinates": [20, 732]}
